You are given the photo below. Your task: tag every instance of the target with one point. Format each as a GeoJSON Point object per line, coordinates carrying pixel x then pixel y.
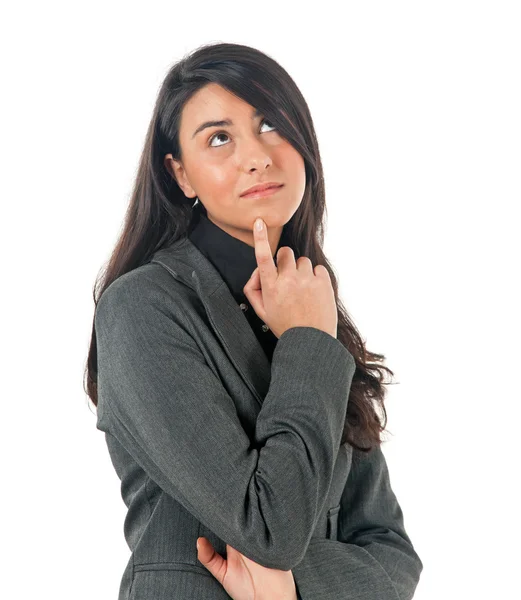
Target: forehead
{"type": "Point", "coordinates": [212, 102]}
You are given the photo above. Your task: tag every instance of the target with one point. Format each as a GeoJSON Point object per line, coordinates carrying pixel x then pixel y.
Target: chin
{"type": "Point", "coordinates": [273, 216]}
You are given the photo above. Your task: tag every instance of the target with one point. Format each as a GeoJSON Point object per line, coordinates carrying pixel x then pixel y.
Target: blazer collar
{"type": "Point", "coordinates": [184, 261]}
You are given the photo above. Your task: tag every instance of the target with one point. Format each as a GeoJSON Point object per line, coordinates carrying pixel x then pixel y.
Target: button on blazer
{"type": "Point", "coordinates": [211, 440]}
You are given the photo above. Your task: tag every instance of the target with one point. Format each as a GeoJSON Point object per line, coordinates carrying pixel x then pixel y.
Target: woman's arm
{"type": "Point", "coordinates": [374, 558]}
{"type": "Point", "coordinates": [161, 400]}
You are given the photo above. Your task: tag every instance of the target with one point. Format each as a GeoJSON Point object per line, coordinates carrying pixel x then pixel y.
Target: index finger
{"type": "Point", "coordinates": [267, 267]}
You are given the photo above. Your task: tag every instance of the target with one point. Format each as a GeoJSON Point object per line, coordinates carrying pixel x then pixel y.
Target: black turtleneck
{"type": "Point", "coordinates": [235, 260]}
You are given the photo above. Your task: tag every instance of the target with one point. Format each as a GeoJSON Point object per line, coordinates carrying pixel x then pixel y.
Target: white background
{"type": "Point", "coordinates": [417, 112]}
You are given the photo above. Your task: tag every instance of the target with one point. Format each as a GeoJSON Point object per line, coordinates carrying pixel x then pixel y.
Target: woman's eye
{"type": "Point", "coordinates": [219, 133]}
{"type": "Point", "coordinates": [266, 121]}
{"type": "Point", "coordinates": [214, 137]}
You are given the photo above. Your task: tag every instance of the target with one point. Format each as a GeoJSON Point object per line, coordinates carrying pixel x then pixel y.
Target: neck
{"type": "Point", "coordinates": [246, 235]}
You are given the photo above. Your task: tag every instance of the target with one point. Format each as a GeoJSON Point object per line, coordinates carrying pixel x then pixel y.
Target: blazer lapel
{"type": "Point", "coordinates": [186, 263]}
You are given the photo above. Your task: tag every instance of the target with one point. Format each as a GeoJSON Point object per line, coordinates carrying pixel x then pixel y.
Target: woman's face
{"type": "Point", "coordinates": [220, 163]}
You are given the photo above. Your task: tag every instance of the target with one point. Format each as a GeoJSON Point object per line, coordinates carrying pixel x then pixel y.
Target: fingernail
{"type": "Point", "coordinates": [258, 224]}
{"type": "Point", "coordinates": [197, 544]}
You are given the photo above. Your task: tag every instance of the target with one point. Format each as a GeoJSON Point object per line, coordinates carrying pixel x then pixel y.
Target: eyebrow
{"type": "Point", "coordinates": [225, 122]}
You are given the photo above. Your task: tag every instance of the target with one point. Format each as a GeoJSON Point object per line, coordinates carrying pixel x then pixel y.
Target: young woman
{"type": "Point", "coordinates": [237, 398]}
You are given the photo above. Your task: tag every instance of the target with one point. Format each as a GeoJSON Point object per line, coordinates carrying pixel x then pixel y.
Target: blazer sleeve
{"type": "Point", "coordinates": [161, 400]}
{"type": "Point", "coordinates": [374, 558]}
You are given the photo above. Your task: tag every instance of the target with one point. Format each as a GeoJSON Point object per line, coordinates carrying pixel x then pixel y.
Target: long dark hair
{"type": "Point", "coordinates": [159, 213]}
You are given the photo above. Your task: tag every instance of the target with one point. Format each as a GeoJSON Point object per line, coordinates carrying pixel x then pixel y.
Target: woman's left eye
{"type": "Point", "coordinates": [266, 121]}
{"type": "Point", "coordinates": [216, 135]}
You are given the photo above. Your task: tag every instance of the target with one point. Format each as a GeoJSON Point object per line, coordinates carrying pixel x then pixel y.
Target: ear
{"type": "Point", "coordinates": [176, 170]}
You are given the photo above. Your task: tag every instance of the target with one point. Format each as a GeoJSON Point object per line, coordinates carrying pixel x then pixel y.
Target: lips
{"type": "Point", "coordinates": [261, 187]}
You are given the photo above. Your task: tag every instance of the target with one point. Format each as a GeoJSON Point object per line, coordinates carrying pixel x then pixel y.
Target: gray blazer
{"type": "Point", "coordinates": [210, 439]}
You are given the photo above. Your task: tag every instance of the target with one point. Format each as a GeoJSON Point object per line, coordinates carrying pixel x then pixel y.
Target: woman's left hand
{"type": "Point", "coordinates": [244, 579]}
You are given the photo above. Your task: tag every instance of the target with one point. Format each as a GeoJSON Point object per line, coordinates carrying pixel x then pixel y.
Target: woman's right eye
{"type": "Point", "coordinates": [214, 137]}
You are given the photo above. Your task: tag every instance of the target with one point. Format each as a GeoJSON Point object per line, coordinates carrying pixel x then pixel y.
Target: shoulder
{"type": "Point", "coordinates": [145, 289]}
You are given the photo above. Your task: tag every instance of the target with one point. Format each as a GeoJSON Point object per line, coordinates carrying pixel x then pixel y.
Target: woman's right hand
{"type": "Point", "coordinates": [290, 294]}
{"type": "Point", "coordinates": [244, 579]}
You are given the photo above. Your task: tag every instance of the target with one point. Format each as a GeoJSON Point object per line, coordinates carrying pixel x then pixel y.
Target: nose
{"type": "Point", "coordinates": [254, 154]}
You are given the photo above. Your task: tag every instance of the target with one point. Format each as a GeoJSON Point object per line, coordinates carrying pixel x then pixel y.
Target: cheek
{"type": "Point", "coordinates": [294, 168]}
{"type": "Point", "coordinates": [216, 181]}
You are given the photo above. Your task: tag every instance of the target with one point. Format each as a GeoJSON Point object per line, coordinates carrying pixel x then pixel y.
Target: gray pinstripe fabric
{"type": "Point", "coordinates": [210, 439]}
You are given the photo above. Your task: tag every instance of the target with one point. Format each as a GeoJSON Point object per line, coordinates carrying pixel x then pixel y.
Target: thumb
{"type": "Point", "coordinates": [211, 559]}
{"type": "Point", "coordinates": [253, 291]}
